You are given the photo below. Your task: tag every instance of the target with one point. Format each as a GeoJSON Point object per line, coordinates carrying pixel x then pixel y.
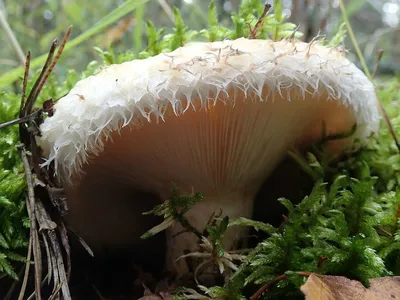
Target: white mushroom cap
{"type": "Point", "coordinates": [139, 90]}
{"type": "Point", "coordinates": [217, 117]}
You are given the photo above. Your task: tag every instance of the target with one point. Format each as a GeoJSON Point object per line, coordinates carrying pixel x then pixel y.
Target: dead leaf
{"type": "Point", "coordinates": [148, 295]}
{"type": "Point", "coordinates": [319, 287]}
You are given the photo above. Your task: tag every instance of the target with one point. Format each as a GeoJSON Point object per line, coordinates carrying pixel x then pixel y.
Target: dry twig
{"type": "Point", "coordinates": [382, 109]}
{"type": "Point", "coordinates": [11, 37]}
{"type": "Point", "coordinates": [36, 178]}
{"type": "Point", "coordinates": [266, 287]}
{"type": "Point", "coordinates": [254, 31]}
{"type": "Point", "coordinates": [377, 62]}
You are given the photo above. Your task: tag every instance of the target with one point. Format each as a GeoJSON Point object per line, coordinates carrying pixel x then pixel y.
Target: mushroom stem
{"type": "Point", "coordinates": [179, 242]}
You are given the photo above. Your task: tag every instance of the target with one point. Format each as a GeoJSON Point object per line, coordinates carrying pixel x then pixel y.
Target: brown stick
{"type": "Point", "coordinates": [38, 215]}
{"type": "Point", "coordinates": [266, 287]}
{"type": "Point", "coordinates": [32, 216]}
{"type": "Point", "coordinates": [55, 60]}
{"type": "Point", "coordinates": [26, 275]}
{"type": "Point", "coordinates": [381, 108]}
{"type": "Point", "coordinates": [260, 22]}
{"type": "Point", "coordinates": [22, 120]}
{"type": "Point", "coordinates": [25, 82]}
{"type": "Point", "coordinates": [390, 126]}
{"type": "Point", "coordinates": [34, 91]}
{"type": "Point", "coordinates": [377, 62]}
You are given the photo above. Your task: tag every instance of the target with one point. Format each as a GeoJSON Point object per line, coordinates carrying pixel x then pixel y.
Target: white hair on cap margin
{"type": "Point", "coordinates": [128, 93]}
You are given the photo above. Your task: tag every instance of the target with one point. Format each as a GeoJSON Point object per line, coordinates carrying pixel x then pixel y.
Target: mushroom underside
{"type": "Point", "coordinates": [224, 151]}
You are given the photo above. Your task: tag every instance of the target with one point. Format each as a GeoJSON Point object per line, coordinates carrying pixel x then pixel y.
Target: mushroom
{"type": "Point", "coordinates": [215, 117]}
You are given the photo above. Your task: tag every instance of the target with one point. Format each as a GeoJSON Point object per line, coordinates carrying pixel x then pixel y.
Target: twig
{"type": "Point", "coordinates": [167, 9]}
{"type": "Point", "coordinates": [390, 127]}
{"type": "Point", "coordinates": [38, 214]}
{"type": "Point", "coordinates": [49, 260]}
{"type": "Point", "coordinates": [83, 243]}
{"type": "Point", "coordinates": [25, 82]}
{"type": "Point", "coordinates": [34, 91]}
{"type": "Point", "coordinates": [60, 265]}
{"type": "Point", "coordinates": [33, 294]}
{"type": "Point", "coordinates": [353, 38]}
{"type": "Point", "coordinates": [11, 37]}
{"type": "Point", "coordinates": [367, 72]}
{"type": "Point", "coordinates": [377, 62]}
{"type": "Point", "coordinates": [55, 60]}
{"type": "Point", "coordinates": [22, 120]}
{"type": "Point", "coordinates": [56, 292]}
{"type": "Point", "coordinates": [31, 211]}
{"type": "Point", "coordinates": [381, 108]}
{"type": "Point", "coordinates": [26, 275]}
{"type": "Point", "coordinates": [260, 22]}
{"type": "Point", "coordinates": [266, 287]}
{"type": "Point", "coordinates": [56, 278]}
{"type": "Point", "coordinates": [46, 70]}
{"type": "Point", "coordinates": [65, 243]}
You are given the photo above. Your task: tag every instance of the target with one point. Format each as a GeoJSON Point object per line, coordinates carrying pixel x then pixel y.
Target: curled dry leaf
{"type": "Point", "coordinates": [320, 287]}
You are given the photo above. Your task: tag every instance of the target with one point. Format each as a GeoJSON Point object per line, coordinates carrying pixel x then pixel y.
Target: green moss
{"type": "Point", "coordinates": [13, 219]}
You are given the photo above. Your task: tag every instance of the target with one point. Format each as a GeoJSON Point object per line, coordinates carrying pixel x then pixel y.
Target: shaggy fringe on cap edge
{"type": "Point", "coordinates": [130, 93]}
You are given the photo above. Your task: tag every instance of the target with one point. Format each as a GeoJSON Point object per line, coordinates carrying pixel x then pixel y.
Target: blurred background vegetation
{"type": "Point", "coordinates": [35, 23]}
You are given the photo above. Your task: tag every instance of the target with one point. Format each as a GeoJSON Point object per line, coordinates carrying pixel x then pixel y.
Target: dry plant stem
{"type": "Point", "coordinates": [11, 37]}
{"type": "Point", "coordinates": [60, 265]}
{"type": "Point", "coordinates": [46, 70]}
{"type": "Point", "coordinates": [25, 82]}
{"type": "Point", "coordinates": [26, 275]}
{"type": "Point", "coordinates": [353, 38]}
{"type": "Point", "coordinates": [266, 287]}
{"type": "Point", "coordinates": [22, 120]}
{"type": "Point", "coordinates": [49, 261]}
{"type": "Point", "coordinates": [56, 278]}
{"type": "Point", "coordinates": [377, 62]}
{"type": "Point", "coordinates": [35, 91]}
{"type": "Point", "coordinates": [34, 235]}
{"type": "Point", "coordinates": [383, 111]}
{"type": "Point", "coordinates": [260, 22]}
{"type": "Point", "coordinates": [36, 211]}
{"type": "Point", "coordinates": [366, 70]}
{"type": "Point", "coordinates": [55, 60]}
{"type": "Point", "coordinates": [167, 9]}
{"type": "Point", "coordinates": [56, 293]}
{"type": "Point", "coordinates": [43, 281]}
{"type": "Point", "coordinates": [65, 244]}
{"type": "Point", "coordinates": [390, 126]}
